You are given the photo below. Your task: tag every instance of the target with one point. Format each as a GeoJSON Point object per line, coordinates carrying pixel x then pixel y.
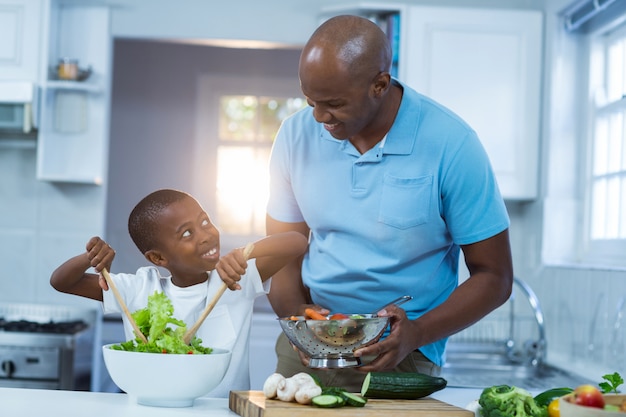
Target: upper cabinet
{"type": "Point", "coordinates": [74, 126]}
{"type": "Point", "coordinates": [20, 38]}
{"type": "Point", "coordinates": [485, 65]}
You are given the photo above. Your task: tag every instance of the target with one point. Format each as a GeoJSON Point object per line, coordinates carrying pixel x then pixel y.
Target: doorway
{"type": "Point", "coordinates": [163, 110]}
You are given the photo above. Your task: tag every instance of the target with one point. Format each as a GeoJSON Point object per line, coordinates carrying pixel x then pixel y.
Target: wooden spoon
{"type": "Point", "coordinates": [120, 301]}
{"type": "Point", "coordinates": [192, 331]}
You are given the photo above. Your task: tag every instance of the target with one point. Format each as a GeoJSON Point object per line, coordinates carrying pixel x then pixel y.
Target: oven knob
{"type": "Point", "coordinates": [8, 367]}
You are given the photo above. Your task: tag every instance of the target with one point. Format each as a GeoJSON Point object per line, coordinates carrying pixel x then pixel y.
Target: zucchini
{"type": "Point", "coordinates": [400, 385]}
{"type": "Point", "coordinates": [328, 401]}
{"type": "Point", "coordinates": [545, 398]}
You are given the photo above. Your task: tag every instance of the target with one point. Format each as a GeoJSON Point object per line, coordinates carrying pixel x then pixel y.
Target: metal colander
{"type": "Point", "coordinates": [331, 343]}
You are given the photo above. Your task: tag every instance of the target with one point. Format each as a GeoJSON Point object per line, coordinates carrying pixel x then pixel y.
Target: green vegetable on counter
{"type": "Point", "coordinates": [508, 401]}
{"type": "Point", "coordinates": [613, 381]}
{"type": "Point", "coordinates": [400, 385]}
{"type": "Point", "coordinates": [154, 321]}
{"type": "Point", "coordinates": [334, 397]}
{"type": "Point", "coordinates": [545, 398]}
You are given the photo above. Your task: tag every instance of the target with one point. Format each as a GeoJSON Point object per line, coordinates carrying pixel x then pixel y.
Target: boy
{"type": "Point", "coordinates": [174, 232]}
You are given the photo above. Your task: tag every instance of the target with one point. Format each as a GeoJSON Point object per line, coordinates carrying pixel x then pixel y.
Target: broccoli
{"type": "Point", "coordinates": [509, 401]}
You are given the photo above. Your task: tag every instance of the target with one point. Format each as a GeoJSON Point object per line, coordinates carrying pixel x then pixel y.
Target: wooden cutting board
{"type": "Point", "coordinates": [254, 404]}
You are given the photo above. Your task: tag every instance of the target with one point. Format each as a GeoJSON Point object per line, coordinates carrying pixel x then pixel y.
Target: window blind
{"type": "Point", "coordinates": [587, 15]}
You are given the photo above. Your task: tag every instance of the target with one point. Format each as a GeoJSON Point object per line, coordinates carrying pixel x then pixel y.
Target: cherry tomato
{"type": "Point", "coordinates": [554, 409]}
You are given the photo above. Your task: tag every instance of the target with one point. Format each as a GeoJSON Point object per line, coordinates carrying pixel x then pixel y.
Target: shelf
{"type": "Point", "coordinates": [74, 117]}
{"type": "Point", "coordinates": [71, 178]}
{"type": "Point", "coordinates": [89, 87]}
{"type": "Point", "coordinates": [25, 143]}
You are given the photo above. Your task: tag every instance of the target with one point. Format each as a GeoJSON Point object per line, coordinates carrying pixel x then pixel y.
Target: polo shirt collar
{"type": "Point", "coordinates": [402, 135]}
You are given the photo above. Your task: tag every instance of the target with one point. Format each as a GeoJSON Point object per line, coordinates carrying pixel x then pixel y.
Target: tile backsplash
{"type": "Point", "coordinates": [585, 324]}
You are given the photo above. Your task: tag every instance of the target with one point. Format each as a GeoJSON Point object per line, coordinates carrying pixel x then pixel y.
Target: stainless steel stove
{"type": "Point", "coordinates": [46, 346]}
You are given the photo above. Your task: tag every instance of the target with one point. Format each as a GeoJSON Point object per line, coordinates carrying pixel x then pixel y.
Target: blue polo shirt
{"type": "Point", "coordinates": [388, 222]}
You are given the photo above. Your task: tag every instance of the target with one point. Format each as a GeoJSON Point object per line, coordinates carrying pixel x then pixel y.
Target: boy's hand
{"type": "Point", "coordinates": [100, 255]}
{"type": "Point", "coordinates": [231, 267]}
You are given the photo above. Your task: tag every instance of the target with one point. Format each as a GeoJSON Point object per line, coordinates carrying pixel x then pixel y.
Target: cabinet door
{"type": "Point", "coordinates": [20, 23]}
{"type": "Point", "coordinates": [485, 65]}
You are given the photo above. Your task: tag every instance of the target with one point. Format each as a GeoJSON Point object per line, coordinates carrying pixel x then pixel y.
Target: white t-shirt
{"type": "Point", "coordinates": [227, 326]}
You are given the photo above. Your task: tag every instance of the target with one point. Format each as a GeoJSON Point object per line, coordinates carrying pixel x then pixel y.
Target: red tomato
{"type": "Point", "coordinates": [338, 316]}
{"type": "Point", "coordinates": [589, 396]}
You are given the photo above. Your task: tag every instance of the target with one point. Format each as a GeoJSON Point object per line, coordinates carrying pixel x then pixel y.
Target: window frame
{"type": "Point", "coordinates": [599, 251]}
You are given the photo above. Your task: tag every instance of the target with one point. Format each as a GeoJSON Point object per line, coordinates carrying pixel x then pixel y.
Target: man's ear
{"type": "Point", "coordinates": [381, 83]}
{"type": "Point", "coordinates": [155, 257]}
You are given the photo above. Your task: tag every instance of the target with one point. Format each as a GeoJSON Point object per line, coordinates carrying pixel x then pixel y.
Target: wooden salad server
{"type": "Point", "coordinates": [192, 331]}
{"type": "Point", "coordinates": [120, 301]}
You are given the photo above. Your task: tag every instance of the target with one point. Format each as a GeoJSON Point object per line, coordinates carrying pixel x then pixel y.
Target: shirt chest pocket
{"type": "Point", "coordinates": [405, 202]}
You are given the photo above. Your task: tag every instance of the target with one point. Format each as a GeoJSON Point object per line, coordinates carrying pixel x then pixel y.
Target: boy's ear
{"type": "Point", "coordinates": [155, 257]}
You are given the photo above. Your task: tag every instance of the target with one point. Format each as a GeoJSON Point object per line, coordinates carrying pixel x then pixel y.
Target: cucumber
{"type": "Point", "coordinates": [336, 391]}
{"type": "Point", "coordinates": [545, 398]}
{"type": "Point", "coordinates": [400, 385]}
{"type": "Point", "coordinates": [328, 401]}
{"type": "Point", "coordinates": [353, 400]}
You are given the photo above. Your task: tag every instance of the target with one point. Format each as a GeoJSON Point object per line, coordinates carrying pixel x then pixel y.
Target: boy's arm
{"type": "Point", "coordinates": [271, 253]}
{"type": "Point", "coordinates": [72, 277]}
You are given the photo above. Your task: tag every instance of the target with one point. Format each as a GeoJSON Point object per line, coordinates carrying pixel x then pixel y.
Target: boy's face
{"type": "Point", "coordinates": [189, 243]}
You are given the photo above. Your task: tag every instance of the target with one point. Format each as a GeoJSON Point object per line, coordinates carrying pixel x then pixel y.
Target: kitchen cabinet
{"type": "Point", "coordinates": [20, 31]}
{"type": "Point", "coordinates": [485, 65]}
{"type": "Point", "coordinates": [74, 124]}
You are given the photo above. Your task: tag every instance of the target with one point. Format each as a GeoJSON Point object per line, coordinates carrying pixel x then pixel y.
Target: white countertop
{"type": "Point", "coordinates": [26, 402]}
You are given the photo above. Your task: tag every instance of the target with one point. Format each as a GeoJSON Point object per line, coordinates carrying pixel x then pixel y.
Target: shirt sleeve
{"type": "Point", "coordinates": [282, 204]}
{"type": "Point", "coordinates": [473, 207]}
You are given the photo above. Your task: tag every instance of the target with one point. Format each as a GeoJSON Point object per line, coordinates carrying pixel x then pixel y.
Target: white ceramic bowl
{"type": "Point", "coordinates": [166, 380]}
{"type": "Point", "coordinates": [570, 409]}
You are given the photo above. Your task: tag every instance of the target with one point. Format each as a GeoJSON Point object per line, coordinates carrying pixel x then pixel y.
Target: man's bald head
{"type": "Point", "coordinates": [348, 43]}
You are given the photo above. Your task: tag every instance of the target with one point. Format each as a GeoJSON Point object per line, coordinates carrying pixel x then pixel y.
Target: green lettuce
{"type": "Point", "coordinates": [155, 322]}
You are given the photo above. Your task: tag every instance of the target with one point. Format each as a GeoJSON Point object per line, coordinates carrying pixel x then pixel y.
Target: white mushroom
{"type": "Point", "coordinates": [271, 385]}
{"type": "Point", "coordinates": [300, 388]}
{"type": "Point", "coordinates": [306, 392]}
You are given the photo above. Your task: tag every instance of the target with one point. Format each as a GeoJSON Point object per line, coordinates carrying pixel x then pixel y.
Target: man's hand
{"type": "Point", "coordinates": [395, 347]}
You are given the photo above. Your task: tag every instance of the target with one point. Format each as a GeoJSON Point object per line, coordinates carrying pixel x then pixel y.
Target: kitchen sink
{"type": "Point", "coordinates": [507, 347]}
{"type": "Point", "coordinates": [476, 370]}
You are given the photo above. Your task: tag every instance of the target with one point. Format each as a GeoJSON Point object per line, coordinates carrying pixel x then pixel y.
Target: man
{"type": "Point", "coordinates": [390, 185]}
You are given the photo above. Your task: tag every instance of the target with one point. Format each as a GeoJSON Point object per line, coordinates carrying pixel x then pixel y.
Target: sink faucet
{"type": "Point", "coordinates": [534, 350]}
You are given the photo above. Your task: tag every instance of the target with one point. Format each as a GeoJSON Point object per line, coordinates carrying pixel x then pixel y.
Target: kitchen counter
{"type": "Point", "coordinates": [53, 403]}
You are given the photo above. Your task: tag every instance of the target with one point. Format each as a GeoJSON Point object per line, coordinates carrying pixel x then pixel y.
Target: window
{"type": "Point", "coordinates": [247, 126]}
{"type": "Point", "coordinates": [606, 188]}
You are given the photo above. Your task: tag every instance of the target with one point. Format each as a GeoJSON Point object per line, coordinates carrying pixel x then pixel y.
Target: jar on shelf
{"type": "Point", "coordinates": [67, 69]}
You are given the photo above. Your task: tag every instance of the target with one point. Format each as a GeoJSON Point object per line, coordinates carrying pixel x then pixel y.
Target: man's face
{"type": "Point", "coordinates": [344, 106]}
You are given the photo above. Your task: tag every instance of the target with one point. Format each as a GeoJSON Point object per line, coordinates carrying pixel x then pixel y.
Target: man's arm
{"type": "Point", "coordinates": [489, 286]}
{"type": "Point", "coordinates": [287, 293]}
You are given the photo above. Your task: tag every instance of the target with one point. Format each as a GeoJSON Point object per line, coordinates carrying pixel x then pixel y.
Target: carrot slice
{"type": "Point", "coordinates": [312, 314]}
